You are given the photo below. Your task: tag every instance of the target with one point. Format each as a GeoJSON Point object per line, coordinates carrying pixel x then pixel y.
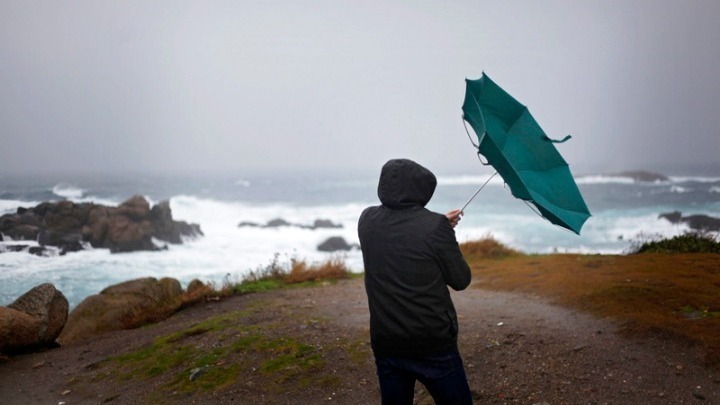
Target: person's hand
{"type": "Point", "coordinates": [454, 217]}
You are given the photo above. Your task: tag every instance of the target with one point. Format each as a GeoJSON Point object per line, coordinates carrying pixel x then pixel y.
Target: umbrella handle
{"type": "Point", "coordinates": [478, 191]}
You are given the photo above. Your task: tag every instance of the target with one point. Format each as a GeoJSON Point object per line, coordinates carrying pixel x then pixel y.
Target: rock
{"type": "Point", "coordinates": [702, 222]}
{"type": "Point", "coordinates": [18, 330]}
{"type": "Point", "coordinates": [22, 232]}
{"type": "Point", "coordinates": [125, 235]}
{"type": "Point", "coordinates": [123, 306]}
{"type": "Point", "coordinates": [674, 217]}
{"type": "Point", "coordinates": [34, 320]}
{"type": "Point", "coordinates": [276, 223]}
{"type": "Point", "coordinates": [197, 372]}
{"type": "Point", "coordinates": [129, 227]}
{"type": "Point", "coordinates": [279, 222]}
{"type": "Point", "coordinates": [697, 222]}
{"type": "Point", "coordinates": [699, 395]}
{"type": "Point", "coordinates": [642, 176]}
{"type": "Point", "coordinates": [136, 208]}
{"type": "Point", "coordinates": [163, 225]}
{"type": "Point", "coordinates": [335, 243]}
{"type": "Point", "coordinates": [325, 223]}
{"type": "Point", "coordinates": [196, 286]}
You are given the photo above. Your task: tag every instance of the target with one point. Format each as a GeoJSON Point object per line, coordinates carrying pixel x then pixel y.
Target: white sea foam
{"type": "Point", "coordinates": [714, 189]}
{"type": "Point", "coordinates": [68, 191]}
{"type": "Point", "coordinates": [225, 249]}
{"type": "Point", "coordinates": [679, 189]}
{"type": "Point", "coordinates": [696, 179]}
{"type": "Point", "coordinates": [11, 206]}
{"type": "Point", "coordinates": [600, 179]}
{"type": "Point", "coordinates": [468, 180]}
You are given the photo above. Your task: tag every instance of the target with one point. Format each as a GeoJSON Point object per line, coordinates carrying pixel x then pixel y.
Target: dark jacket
{"type": "Point", "coordinates": [411, 256]}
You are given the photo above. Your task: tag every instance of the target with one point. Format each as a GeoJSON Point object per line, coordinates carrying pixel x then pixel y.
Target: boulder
{"type": "Point", "coordinates": [18, 330]}
{"type": "Point", "coordinates": [125, 235]}
{"type": "Point", "coordinates": [166, 229]}
{"type": "Point", "coordinates": [279, 222]}
{"type": "Point", "coordinates": [136, 208]}
{"type": "Point", "coordinates": [276, 223]}
{"type": "Point", "coordinates": [129, 227]}
{"type": "Point", "coordinates": [34, 320]}
{"type": "Point", "coordinates": [334, 244]}
{"type": "Point", "coordinates": [22, 232]}
{"type": "Point", "coordinates": [123, 306]}
{"type": "Point", "coordinates": [324, 223]}
{"type": "Point", "coordinates": [643, 176]}
{"type": "Point", "coordinates": [697, 222]}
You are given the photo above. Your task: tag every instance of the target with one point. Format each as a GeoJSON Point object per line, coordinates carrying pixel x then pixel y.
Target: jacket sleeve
{"type": "Point", "coordinates": [454, 268]}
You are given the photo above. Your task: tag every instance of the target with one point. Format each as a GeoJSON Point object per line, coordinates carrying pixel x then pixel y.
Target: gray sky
{"type": "Point", "coordinates": [335, 85]}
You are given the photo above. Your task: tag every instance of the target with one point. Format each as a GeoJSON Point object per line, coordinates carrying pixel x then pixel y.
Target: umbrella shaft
{"type": "Point", "coordinates": [478, 191]}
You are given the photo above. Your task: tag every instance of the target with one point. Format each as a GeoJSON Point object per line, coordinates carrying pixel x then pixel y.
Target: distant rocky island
{"type": "Point", "coordinates": [70, 226]}
{"type": "Point", "coordinates": [640, 176]}
{"type": "Point", "coordinates": [696, 222]}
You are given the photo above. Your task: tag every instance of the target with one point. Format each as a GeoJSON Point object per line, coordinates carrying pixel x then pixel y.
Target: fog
{"type": "Point", "coordinates": [124, 86]}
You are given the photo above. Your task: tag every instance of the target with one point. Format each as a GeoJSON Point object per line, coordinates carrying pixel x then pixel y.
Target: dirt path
{"type": "Point", "coordinates": [517, 349]}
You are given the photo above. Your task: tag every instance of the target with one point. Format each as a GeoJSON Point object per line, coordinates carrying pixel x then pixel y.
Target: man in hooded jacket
{"type": "Point", "coordinates": [411, 256]}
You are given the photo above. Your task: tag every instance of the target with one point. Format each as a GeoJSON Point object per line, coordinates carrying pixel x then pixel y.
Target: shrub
{"type": "Point", "coordinates": [332, 269]}
{"type": "Point", "coordinates": [276, 275]}
{"type": "Point", "coordinates": [691, 242]}
{"type": "Point", "coordinates": [486, 248]}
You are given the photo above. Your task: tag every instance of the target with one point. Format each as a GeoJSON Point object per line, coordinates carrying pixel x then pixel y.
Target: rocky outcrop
{"type": "Point", "coordinates": [279, 222]}
{"type": "Point", "coordinates": [642, 176]}
{"type": "Point", "coordinates": [34, 320]}
{"type": "Point", "coordinates": [123, 306]}
{"type": "Point", "coordinates": [40, 319]}
{"type": "Point", "coordinates": [335, 243]}
{"type": "Point", "coordinates": [67, 225]}
{"type": "Point", "coordinates": [698, 222]}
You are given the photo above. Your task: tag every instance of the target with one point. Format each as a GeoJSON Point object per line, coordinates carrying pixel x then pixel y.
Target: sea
{"type": "Point", "coordinates": [624, 212]}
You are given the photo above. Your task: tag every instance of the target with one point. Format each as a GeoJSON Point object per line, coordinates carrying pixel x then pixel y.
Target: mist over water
{"type": "Point", "coordinates": [622, 210]}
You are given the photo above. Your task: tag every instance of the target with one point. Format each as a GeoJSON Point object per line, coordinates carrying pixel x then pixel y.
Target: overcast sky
{"type": "Point", "coordinates": [346, 85]}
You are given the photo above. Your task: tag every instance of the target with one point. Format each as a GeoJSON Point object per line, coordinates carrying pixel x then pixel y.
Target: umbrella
{"type": "Point", "coordinates": [527, 160]}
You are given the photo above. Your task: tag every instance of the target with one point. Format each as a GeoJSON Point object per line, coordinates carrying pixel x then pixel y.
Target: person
{"type": "Point", "coordinates": [411, 256]}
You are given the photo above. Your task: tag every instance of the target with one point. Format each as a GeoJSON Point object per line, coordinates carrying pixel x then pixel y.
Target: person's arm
{"type": "Point", "coordinates": [454, 267]}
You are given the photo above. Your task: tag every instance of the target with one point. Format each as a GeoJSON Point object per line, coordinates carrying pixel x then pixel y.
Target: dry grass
{"type": "Point", "coordinates": [487, 248]}
{"type": "Point", "coordinates": [332, 269]}
{"type": "Point", "coordinates": [277, 275]}
{"type": "Point", "coordinates": [672, 295]}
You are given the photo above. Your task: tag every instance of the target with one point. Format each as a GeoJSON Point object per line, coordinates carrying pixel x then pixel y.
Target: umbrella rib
{"type": "Point", "coordinates": [473, 143]}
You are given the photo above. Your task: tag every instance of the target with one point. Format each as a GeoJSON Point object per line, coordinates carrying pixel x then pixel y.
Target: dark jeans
{"type": "Point", "coordinates": [443, 376]}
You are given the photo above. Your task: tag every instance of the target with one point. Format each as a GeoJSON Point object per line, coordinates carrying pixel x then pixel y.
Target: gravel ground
{"type": "Point", "coordinates": [516, 348]}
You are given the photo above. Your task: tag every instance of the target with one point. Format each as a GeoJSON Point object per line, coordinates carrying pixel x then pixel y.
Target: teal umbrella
{"type": "Point", "coordinates": [514, 144]}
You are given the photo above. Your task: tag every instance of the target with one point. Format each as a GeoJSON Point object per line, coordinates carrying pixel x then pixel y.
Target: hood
{"type": "Point", "coordinates": [404, 183]}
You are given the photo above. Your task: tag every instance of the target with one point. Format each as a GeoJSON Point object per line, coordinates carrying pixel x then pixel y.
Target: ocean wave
{"type": "Point", "coordinates": [714, 189]}
{"type": "Point", "coordinates": [465, 180]}
{"type": "Point", "coordinates": [11, 206]}
{"type": "Point", "coordinates": [600, 179]}
{"type": "Point", "coordinates": [68, 191]}
{"type": "Point", "coordinates": [679, 189]}
{"type": "Point", "coordinates": [694, 179]}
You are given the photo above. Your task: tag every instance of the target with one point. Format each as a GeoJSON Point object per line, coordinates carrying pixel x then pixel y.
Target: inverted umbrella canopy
{"type": "Point", "coordinates": [515, 145]}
